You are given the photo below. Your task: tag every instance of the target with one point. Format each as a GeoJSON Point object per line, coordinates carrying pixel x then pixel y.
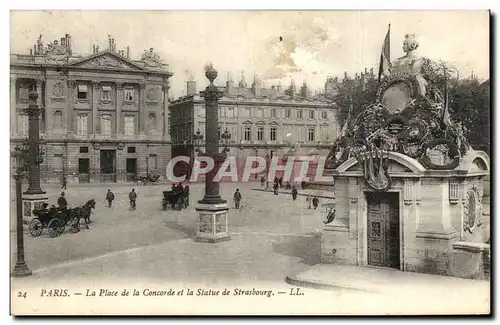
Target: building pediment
{"type": "Point", "coordinates": [107, 60]}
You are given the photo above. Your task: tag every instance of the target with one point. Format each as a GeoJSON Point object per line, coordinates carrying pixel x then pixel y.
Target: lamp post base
{"type": "Point", "coordinates": [21, 270]}
{"type": "Point", "coordinates": [212, 225]}
{"type": "Point", "coordinates": [30, 203]}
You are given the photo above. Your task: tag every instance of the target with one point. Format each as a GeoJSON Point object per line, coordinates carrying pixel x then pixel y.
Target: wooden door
{"type": "Point", "coordinates": [383, 230]}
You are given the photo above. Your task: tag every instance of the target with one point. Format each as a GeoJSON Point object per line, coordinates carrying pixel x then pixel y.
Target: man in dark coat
{"type": "Point", "coordinates": [315, 202]}
{"type": "Point", "coordinates": [294, 193]}
{"type": "Point", "coordinates": [276, 186]}
{"type": "Point", "coordinates": [237, 198]}
{"type": "Point", "coordinates": [110, 197]}
{"type": "Point", "coordinates": [61, 202]}
{"type": "Point", "coordinates": [64, 182]}
{"type": "Point", "coordinates": [132, 197]}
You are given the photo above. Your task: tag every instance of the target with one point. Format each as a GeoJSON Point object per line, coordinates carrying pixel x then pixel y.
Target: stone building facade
{"type": "Point", "coordinates": [103, 114]}
{"type": "Point", "coordinates": [265, 122]}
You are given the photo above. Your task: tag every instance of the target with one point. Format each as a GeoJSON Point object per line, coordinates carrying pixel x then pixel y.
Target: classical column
{"type": "Point", "coordinates": [142, 109]}
{"type": "Point", "coordinates": [212, 209]}
{"type": "Point", "coordinates": [13, 110]}
{"type": "Point", "coordinates": [95, 106]}
{"type": "Point", "coordinates": [39, 84]}
{"type": "Point", "coordinates": [71, 103]}
{"type": "Point", "coordinates": [33, 112]}
{"type": "Point", "coordinates": [119, 100]}
{"type": "Point", "coordinates": [166, 126]}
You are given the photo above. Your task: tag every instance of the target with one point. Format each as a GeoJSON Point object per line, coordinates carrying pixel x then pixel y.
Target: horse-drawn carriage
{"type": "Point", "coordinates": [176, 199]}
{"type": "Point", "coordinates": [144, 180]}
{"type": "Point", "coordinates": [56, 219]}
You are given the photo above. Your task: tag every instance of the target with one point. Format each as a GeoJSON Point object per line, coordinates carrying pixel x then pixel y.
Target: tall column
{"type": "Point", "coordinates": [33, 112]}
{"type": "Point", "coordinates": [119, 100]}
{"type": "Point", "coordinates": [41, 122]}
{"type": "Point", "coordinates": [212, 209]}
{"type": "Point", "coordinates": [166, 125]}
{"type": "Point", "coordinates": [95, 105]}
{"type": "Point", "coordinates": [71, 103]}
{"type": "Point", "coordinates": [142, 109]}
{"type": "Point", "coordinates": [13, 101]}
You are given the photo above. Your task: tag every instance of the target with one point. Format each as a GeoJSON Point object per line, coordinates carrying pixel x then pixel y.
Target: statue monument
{"type": "Point", "coordinates": [407, 183]}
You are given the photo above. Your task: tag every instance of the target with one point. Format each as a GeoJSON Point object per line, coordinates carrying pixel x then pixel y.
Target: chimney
{"type": "Point", "coordinates": [128, 52]}
{"type": "Point", "coordinates": [278, 88]}
{"type": "Point", "coordinates": [371, 72]}
{"type": "Point", "coordinates": [366, 71]}
{"type": "Point", "coordinates": [31, 51]}
{"type": "Point", "coordinates": [191, 87]}
{"type": "Point", "coordinates": [97, 48]}
{"type": "Point", "coordinates": [256, 86]}
{"type": "Point", "coordinates": [110, 44]}
{"type": "Point", "coordinates": [303, 90]}
{"type": "Point", "coordinates": [34, 50]}
{"type": "Point", "coordinates": [93, 49]}
{"type": "Point", "coordinates": [63, 42]}
{"type": "Point", "coordinates": [345, 75]}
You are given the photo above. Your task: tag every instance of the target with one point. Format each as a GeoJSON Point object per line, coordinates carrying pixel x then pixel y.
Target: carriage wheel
{"type": "Point", "coordinates": [35, 227]}
{"type": "Point", "coordinates": [74, 225]}
{"type": "Point", "coordinates": [54, 226]}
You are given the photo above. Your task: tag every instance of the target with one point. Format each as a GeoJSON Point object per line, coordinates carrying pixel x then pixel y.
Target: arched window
{"type": "Point", "coordinates": [152, 121]}
{"type": "Point", "coordinates": [58, 120]}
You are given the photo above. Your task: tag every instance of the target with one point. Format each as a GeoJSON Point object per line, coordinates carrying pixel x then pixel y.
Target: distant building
{"type": "Point", "coordinates": [104, 116]}
{"type": "Point", "coordinates": [262, 121]}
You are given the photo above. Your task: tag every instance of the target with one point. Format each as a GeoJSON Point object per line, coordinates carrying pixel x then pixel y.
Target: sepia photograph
{"type": "Point", "coordinates": [249, 162]}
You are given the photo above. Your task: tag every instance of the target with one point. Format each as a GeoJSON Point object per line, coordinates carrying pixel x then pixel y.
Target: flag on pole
{"type": "Point", "coordinates": [385, 56]}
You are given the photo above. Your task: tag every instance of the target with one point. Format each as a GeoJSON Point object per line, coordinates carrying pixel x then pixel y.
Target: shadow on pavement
{"type": "Point", "coordinates": [306, 248]}
{"type": "Point", "coordinates": [189, 232]}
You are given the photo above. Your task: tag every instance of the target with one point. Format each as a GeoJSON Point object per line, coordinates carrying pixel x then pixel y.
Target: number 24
{"type": "Point", "coordinates": [21, 294]}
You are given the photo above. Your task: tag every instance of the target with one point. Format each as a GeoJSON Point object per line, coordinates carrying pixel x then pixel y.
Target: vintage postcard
{"type": "Point", "coordinates": [250, 162]}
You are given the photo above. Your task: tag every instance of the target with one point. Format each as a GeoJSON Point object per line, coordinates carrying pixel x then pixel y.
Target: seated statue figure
{"type": "Point", "coordinates": [411, 63]}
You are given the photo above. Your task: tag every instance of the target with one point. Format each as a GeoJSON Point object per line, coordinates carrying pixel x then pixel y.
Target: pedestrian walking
{"type": "Point", "coordinates": [288, 186]}
{"type": "Point", "coordinates": [262, 181]}
{"type": "Point", "coordinates": [186, 191]}
{"type": "Point", "coordinates": [237, 198]}
{"type": "Point", "coordinates": [110, 197]}
{"type": "Point", "coordinates": [281, 182]}
{"type": "Point", "coordinates": [132, 197]}
{"type": "Point", "coordinates": [64, 182]}
{"type": "Point", "coordinates": [276, 186]}
{"type": "Point", "coordinates": [308, 201]}
{"type": "Point", "coordinates": [315, 202]}
{"type": "Point", "coordinates": [294, 193]}
{"type": "Point", "coordinates": [61, 202]}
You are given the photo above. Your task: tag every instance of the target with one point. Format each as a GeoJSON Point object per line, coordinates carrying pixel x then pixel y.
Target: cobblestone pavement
{"type": "Point", "coordinates": [271, 235]}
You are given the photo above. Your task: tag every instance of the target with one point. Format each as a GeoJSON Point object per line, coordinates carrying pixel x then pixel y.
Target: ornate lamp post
{"type": "Point", "coordinates": [34, 196]}
{"type": "Point", "coordinates": [197, 139]}
{"type": "Point", "coordinates": [226, 138]}
{"type": "Point", "coordinates": [212, 209]}
{"type": "Point", "coordinates": [20, 154]}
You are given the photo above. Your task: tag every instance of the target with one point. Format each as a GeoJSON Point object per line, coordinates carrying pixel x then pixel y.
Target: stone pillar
{"type": "Point", "coordinates": [34, 196]}
{"type": "Point", "coordinates": [71, 103]}
{"type": "Point", "coordinates": [13, 101]}
{"type": "Point", "coordinates": [41, 123]}
{"type": "Point", "coordinates": [119, 100]}
{"type": "Point", "coordinates": [142, 109]}
{"type": "Point", "coordinates": [95, 106]}
{"type": "Point", "coordinates": [212, 209]}
{"type": "Point", "coordinates": [166, 125]}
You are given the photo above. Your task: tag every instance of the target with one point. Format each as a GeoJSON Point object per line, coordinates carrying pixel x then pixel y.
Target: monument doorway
{"type": "Point", "coordinates": [383, 229]}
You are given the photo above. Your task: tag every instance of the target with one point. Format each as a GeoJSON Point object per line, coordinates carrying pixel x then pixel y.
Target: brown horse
{"type": "Point", "coordinates": [84, 212]}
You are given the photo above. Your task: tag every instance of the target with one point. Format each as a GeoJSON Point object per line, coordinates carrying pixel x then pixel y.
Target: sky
{"type": "Point", "coordinates": [276, 46]}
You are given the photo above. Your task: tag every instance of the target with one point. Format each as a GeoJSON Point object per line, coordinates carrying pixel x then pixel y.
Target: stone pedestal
{"type": "Point", "coordinates": [31, 202]}
{"type": "Point", "coordinates": [212, 223]}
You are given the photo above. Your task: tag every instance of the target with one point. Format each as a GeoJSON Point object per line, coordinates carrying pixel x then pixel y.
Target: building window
{"type": "Point", "coordinates": [106, 93]}
{"type": "Point", "coordinates": [273, 133]}
{"type": "Point", "coordinates": [129, 94]}
{"type": "Point", "coordinates": [324, 115]}
{"type": "Point", "coordinates": [58, 162]}
{"type": "Point", "coordinates": [82, 91]}
{"type": "Point", "coordinates": [311, 114]}
{"type": "Point", "coordinates": [273, 112]}
{"type": "Point", "coordinates": [82, 125]}
{"type": "Point", "coordinates": [310, 134]}
{"type": "Point", "coordinates": [23, 92]}
{"type": "Point", "coordinates": [57, 120]}
{"type": "Point", "coordinates": [84, 149]}
{"type": "Point", "coordinates": [106, 124]}
{"type": "Point", "coordinates": [258, 112]}
{"type": "Point", "coordinates": [288, 113]}
{"type": "Point", "coordinates": [324, 133]}
{"type": "Point", "coordinates": [299, 113]}
{"type": "Point", "coordinates": [152, 121]}
{"type": "Point", "coordinates": [130, 149]}
{"type": "Point", "coordinates": [260, 133]}
{"type": "Point", "coordinates": [247, 133]}
{"type": "Point", "coordinates": [230, 112]}
{"type": "Point", "coordinates": [23, 124]}
{"type": "Point", "coordinates": [129, 128]}
{"type": "Point", "coordinates": [201, 111]}
{"type": "Point", "coordinates": [221, 111]}
{"type": "Point", "coordinates": [246, 112]}
{"type": "Point", "coordinates": [153, 162]}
